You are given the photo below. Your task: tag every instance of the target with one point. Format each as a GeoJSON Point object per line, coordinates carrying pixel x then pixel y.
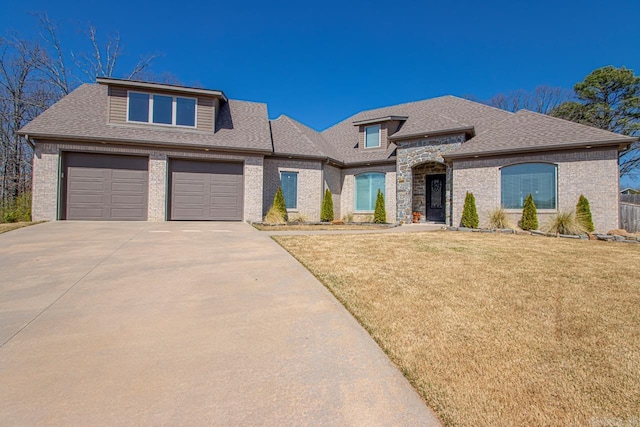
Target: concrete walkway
{"type": "Point", "coordinates": [181, 324]}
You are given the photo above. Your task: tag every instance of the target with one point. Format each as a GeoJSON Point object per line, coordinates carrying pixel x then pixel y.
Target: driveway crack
{"type": "Point", "coordinates": [26, 325]}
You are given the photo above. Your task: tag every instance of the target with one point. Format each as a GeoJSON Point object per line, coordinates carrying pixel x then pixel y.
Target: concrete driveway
{"type": "Point", "coordinates": [181, 324]}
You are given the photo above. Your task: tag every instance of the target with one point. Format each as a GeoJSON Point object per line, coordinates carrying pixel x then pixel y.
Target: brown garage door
{"type": "Point", "coordinates": [206, 191]}
{"type": "Point", "coordinates": [106, 187]}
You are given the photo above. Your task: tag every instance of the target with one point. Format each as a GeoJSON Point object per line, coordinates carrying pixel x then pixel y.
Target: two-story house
{"type": "Point", "coordinates": [130, 150]}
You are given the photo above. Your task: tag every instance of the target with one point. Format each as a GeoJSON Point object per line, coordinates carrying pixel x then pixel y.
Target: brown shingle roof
{"type": "Point", "coordinates": [437, 115]}
{"type": "Point", "coordinates": [529, 131]}
{"type": "Point", "coordinates": [292, 137]}
{"type": "Point", "coordinates": [82, 115]}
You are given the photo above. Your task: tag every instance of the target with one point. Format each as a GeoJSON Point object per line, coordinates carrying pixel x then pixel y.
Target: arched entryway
{"type": "Point", "coordinates": [429, 191]}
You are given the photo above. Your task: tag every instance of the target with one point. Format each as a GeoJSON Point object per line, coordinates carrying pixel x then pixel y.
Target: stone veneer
{"type": "Point", "coordinates": [419, 196]}
{"type": "Point", "coordinates": [46, 166]}
{"type": "Point", "coordinates": [591, 172]}
{"type": "Point", "coordinates": [413, 153]}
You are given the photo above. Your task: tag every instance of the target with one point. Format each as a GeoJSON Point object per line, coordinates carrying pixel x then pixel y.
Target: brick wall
{"type": "Point", "coordinates": [310, 185]}
{"type": "Point", "coordinates": [347, 200]}
{"type": "Point", "coordinates": [592, 172]}
{"type": "Point", "coordinates": [333, 181]}
{"type": "Point", "coordinates": [46, 185]}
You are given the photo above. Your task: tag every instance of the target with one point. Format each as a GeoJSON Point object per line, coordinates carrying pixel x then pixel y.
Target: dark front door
{"type": "Point", "coordinates": [435, 197]}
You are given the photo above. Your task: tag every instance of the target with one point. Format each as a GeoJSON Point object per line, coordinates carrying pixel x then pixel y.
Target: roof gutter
{"type": "Point", "coordinates": [470, 130]}
{"type": "Point", "coordinates": [556, 147]}
{"type": "Point", "coordinates": [161, 86]}
{"type": "Point", "coordinates": [72, 138]}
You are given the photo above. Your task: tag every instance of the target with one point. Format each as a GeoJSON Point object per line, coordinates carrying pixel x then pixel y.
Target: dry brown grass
{"type": "Point", "coordinates": [496, 329]}
{"type": "Point", "coordinates": [4, 227]}
{"type": "Point", "coordinates": [320, 227]}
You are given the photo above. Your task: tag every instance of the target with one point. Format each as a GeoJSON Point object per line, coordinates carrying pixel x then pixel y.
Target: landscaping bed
{"type": "Point", "coordinates": [320, 226]}
{"type": "Point", "coordinates": [9, 226]}
{"type": "Point", "coordinates": [495, 329]}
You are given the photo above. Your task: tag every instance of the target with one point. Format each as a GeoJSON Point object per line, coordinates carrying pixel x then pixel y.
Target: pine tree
{"type": "Point", "coordinates": [469, 212]}
{"type": "Point", "coordinates": [583, 213]}
{"type": "Point", "coordinates": [280, 204]}
{"type": "Point", "coordinates": [327, 207]}
{"type": "Point", "coordinates": [529, 219]}
{"type": "Point", "coordinates": [380, 214]}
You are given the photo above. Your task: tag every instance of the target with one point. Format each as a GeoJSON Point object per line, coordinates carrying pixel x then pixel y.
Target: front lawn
{"type": "Point", "coordinates": [496, 329]}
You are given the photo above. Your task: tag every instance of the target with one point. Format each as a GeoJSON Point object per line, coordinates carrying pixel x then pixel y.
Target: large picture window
{"type": "Point", "coordinates": [367, 186]}
{"type": "Point", "coordinates": [162, 109]}
{"type": "Point", "coordinates": [289, 185]}
{"type": "Point", "coordinates": [537, 179]}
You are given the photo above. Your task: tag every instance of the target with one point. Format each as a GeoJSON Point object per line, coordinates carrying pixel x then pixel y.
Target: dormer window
{"type": "Point", "coordinates": [372, 136]}
{"type": "Point", "coordinates": [161, 109]}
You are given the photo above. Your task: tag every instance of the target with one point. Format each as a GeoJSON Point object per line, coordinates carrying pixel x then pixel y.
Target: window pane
{"type": "Point", "coordinates": [538, 179]}
{"type": "Point", "coordinates": [162, 109]}
{"type": "Point", "coordinates": [367, 185]}
{"type": "Point", "coordinates": [289, 183]}
{"type": "Point", "coordinates": [138, 107]}
{"type": "Point", "coordinates": [185, 112]}
{"type": "Point", "coordinates": [372, 136]}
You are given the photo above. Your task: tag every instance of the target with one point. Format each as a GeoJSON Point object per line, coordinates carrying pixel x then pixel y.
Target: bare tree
{"type": "Point", "coordinates": [543, 99]}
{"type": "Point", "coordinates": [22, 97]}
{"type": "Point", "coordinates": [102, 60]}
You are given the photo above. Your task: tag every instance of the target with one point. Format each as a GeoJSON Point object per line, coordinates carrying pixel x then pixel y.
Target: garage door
{"type": "Point", "coordinates": [206, 191]}
{"type": "Point", "coordinates": [106, 187]}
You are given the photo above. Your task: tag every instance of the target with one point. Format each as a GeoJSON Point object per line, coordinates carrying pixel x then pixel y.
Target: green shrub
{"type": "Point", "coordinates": [469, 212]}
{"type": "Point", "coordinates": [348, 217]}
{"type": "Point", "coordinates": [529, 219]}
{"type": "Point", "coordinates": [565, 223]}
{"type": "Point", "coordinates": [327, 207]}
{"type": "Point", "coordinates": [499, 219]}
{"type": "Point", "coordinates": [280, 204]}
{"type": "Point", "coordinates": [583, 214]}
{"type": "Point", "coordinates": [19, 210]}
{"type": "Point", "coordinates": [380, 214]}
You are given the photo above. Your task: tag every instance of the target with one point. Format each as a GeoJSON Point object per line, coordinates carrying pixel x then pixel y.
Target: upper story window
{"type": "Point", "coordinates": [537, 179]}
{"type": "Point", "coordinates": [372, 136]}
{"type": "Point", "coordinates": [161, 109]}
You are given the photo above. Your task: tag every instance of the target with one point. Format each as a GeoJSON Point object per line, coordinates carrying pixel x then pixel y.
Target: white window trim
{"type": "Point", "coordinates": [519, 210]}
{"type": "Point", "coordinates": [174, 110]}
{"type": "Point", "coordinates": [297, 187]}
{"type": "Point", "coordinates": [379, 136]}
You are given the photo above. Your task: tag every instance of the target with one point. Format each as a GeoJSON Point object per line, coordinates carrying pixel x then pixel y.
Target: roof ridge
{"type": "Point", "coordinates": [482, 104]}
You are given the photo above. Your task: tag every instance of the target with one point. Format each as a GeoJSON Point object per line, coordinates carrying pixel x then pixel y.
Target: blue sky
{"type": "Point", "coordinates": [320, 62]}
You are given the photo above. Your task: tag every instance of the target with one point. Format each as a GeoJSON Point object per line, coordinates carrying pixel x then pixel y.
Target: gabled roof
{"type": "Point", "coordinates": [528, 131]}
{"type": "Point", "coordinates": [82, 116]}
{"type": "Point", "coordinates": [292, 137]}
{"type": "Point", "coordinates": [447, 114]}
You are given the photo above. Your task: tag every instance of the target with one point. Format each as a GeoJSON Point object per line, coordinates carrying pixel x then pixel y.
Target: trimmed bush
{"type": "Point", "coordinates": [327, 207]}
{"type": "Point", "coordinates": [583, 214]}
{"type": "Point", "coordinates": [565, 223]}
{"type": "Point", "coordinates": [280, 204]}
{"type": "Point", "coordinates": [469, 212]}
{"type": "Point", "coordinates": [274, 216]}
{"type": "Point", "coordinates": [529, 219]}
{"type": "Point", "coordinates": [380, 214]}
{"type": "Point", "coordinates": [499, 219]}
